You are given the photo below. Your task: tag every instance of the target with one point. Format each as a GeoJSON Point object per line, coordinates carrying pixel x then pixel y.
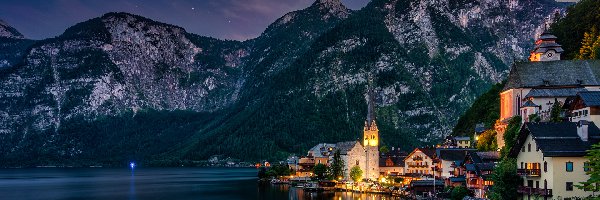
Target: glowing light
{"type": "Point", "coordinates": [132, 165]}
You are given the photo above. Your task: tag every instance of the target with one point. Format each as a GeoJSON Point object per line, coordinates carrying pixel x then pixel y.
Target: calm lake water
{"type": "Point", "coordinates": [151, 183]}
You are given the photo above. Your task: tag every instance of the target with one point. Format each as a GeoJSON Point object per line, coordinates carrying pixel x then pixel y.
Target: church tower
{"type": "Point", "coordinates": [371, 140]}
{"type": "Point", "coordinates": [546, 48]}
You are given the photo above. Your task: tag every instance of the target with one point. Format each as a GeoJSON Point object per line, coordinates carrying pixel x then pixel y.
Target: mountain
{"type": "Point", "coordinates": [12, 45]}
{"type": "Point", "coordinates": [9, 32]}
{"type": "Point", "coordinates": [122, 87]}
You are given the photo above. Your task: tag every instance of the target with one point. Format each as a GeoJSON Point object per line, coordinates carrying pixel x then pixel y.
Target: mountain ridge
{"type": "Point", "coordinates": [302, 81]}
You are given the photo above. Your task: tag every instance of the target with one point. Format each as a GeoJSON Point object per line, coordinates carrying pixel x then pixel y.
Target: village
{"type": "Point", "coordinates": [554, 102]}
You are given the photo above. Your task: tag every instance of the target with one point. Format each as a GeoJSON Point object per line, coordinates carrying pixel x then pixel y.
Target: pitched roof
{"type": "Point", "coordinates": [553, 73]}
{"type": "Point", "coordinates": [321, 149]}
{"type": "Point", "coordinates": [480, 128]}
{"type": "Point", "coordinates": [590, 98]}
{"type": "Point", "coordinates": [555, 92]}
{"type": "Point", "coordinates": [398, 161]}
{"type": "Point", "coordinates": [428, 151]}
{"type": "Point", "coordinates": [344, 147]}
{"type": "Point", "coordinates": [462, 138]}
{"type": "Point", "coordinates": [453, 154]}
{"type": "Point", "coordinates": [529, 103]}
{"type": "Point", "coordinates": [556, 139]}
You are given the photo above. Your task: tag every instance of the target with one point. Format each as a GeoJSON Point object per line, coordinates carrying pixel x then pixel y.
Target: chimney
{"type": "Point", "coordinates": [582, 130]}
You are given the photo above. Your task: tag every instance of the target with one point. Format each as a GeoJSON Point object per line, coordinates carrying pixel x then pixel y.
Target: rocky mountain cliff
{"type": "Point", "coordinates": [301, 82]}
{"type": "Point", "coordinates": [12, 45]}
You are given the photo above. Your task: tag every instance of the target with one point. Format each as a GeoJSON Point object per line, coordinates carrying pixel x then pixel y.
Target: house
{"type": "Point", "coordinates": [474, 172]}
{"type": "Point", "coordinates": [478, 178]}
{"type": "Point", "coordinates": [533, 87]}
{"type": "Point", "coordinates": [421, 162]}
{"type": "Point", "coordinates": [584, 106]}
{"type": "Point", "coordinates": [449, 156]}
{"type": "Point", "coordinates": [550, 158]}
{"type": "Point", "coordinates": [457, 142]}
{"type": "Point", "coordinates": [392, 163]}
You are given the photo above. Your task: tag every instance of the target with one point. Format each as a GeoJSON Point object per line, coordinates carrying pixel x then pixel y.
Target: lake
{"type": "Point", "coordinates": [151, 183]}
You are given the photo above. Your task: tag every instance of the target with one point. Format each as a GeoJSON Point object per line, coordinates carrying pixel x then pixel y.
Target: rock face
{"type": "Point", "coordinates": [12, 45]}
{"type": "Point", "coordinates": [9, 32]}
{"type": "Point", "coordinates": [301, 82]}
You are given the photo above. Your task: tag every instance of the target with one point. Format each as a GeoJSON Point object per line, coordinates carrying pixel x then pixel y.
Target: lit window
{"type": "Point", "coordinates": [569, 166]}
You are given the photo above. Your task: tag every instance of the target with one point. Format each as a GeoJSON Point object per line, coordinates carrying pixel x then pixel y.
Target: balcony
{"type": "Point", "coordinates": [529, 172]}
{"type": "Point", "coordinates": [534, 191]}
{"type": "Point", "coordinates": [418, 166]}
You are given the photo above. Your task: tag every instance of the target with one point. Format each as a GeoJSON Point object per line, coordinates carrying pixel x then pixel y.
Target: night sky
{"type": "Point", "coordinates": [225, 19]}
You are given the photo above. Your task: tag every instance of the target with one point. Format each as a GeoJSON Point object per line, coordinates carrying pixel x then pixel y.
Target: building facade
{"type": "Point", "coordinates": [550, 158]}
{"type": "Point", "coordinates": [532, 88]}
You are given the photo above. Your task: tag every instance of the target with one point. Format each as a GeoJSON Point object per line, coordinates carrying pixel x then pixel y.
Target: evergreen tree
{"type": "Point", "coordinates": [459, 192]}
{"type": "Point", "coordinates": [506, 180]}
{"type": "Point", "coordinates": [555, 111]}
{"type": "Point", "coordinates": [337, 165]}
{"type": "Point", "coordinates": [320, 171]}
{"type": "Point", "coordinates": [356, 173]}
{"type": "Point", "coordinates": [593, 170]}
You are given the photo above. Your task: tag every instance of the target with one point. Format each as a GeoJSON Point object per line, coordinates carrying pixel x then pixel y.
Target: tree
{"type": "Point", "coordinates": [555, 111]}
{"type": "Point", "coordinates": [506, 180]}
{"type": "Point", "coordinates": [356, 173]}
{"type": "Point", "coordinates": [337, 165]}
{"type": "Point", "coordinates": [510, 135]}
{"type": "Point", "coordinates": [384, 149]}
{"type": "Point", "coordinates": [581, 18]}
{"type": "Point", "coordinates": [262, 173]}
{"type": "Point", "coordinates": [320, 171]}
{"type": "Point", "coordinates": [589, 45]}
{"type": "Point", "coordinates": [593, 183]}
{"type": "Point", "coordinates": [459, 192]}
{"type": "Point", "coordinates": [487, 141]}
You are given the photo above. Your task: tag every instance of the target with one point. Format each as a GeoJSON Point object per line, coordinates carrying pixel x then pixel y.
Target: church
{"type": "Point", "coordinates": [353, 153]}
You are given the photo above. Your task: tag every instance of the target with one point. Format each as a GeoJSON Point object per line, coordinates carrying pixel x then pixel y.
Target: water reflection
{"type": "Point", "coordinates": [132, 186]}
{"type": "Point", "coordinates": [154, 183]}
{"type": "Point", "coordinates": [299, 194]}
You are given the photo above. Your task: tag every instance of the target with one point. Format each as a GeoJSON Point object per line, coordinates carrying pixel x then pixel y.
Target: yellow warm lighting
{"type": "Point", "coordinates": [373, 142]}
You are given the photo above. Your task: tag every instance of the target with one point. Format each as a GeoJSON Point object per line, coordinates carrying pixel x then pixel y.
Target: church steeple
{"type": "Point", "coordinates": [546, 48]}
{"type": "Point", "coordinates": [371, 133]}
{"type": "Point", "coordinates": [371, 109]}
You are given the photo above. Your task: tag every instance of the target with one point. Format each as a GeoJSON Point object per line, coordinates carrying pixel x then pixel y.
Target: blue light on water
{"type": "Point", "coordinates": [132, 165]}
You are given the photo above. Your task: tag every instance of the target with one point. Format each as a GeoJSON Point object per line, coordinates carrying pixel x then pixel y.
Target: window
{"type": "Point", "coordinates": [356, 162]}
{"type": "Point", "coordinates": [585, 112]}
{"type": "Point", "coordinates": [569, 166]}
{"type": "Point", "coordinates": [529, 147]}
{"type": "Point", "coordinates": [537, 184]}
{"type": "Point", "coordinates": [569, 186]}
{"type": "Point", "coordinates": [586, 167]}
{"type": "Point", "coordinates": [545, 166]}
{"type": "Point", "coordinates": [522, 165]}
